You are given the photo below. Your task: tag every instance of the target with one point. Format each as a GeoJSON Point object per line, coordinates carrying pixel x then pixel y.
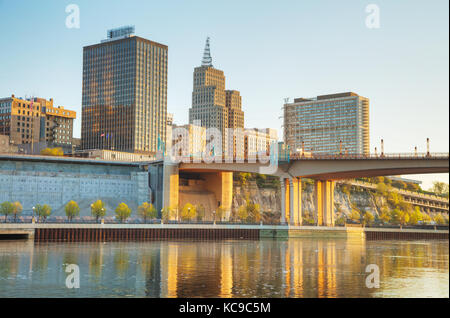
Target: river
{"type": "Point", "coordinates": [235, 268]}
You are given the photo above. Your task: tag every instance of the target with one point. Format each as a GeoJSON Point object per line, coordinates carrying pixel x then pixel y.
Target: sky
{"type": "Point", "coordinates": [269, 50]}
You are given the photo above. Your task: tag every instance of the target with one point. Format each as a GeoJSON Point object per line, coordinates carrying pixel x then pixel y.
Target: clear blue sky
{"type": "Point", "coordinates": [268, 50]}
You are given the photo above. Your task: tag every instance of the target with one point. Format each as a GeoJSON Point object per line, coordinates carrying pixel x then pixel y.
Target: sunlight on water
{"type": "Point", "coordinates": [267, 268]}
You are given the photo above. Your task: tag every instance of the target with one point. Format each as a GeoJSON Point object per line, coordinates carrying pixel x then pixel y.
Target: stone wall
{"type": "Point", "coordinates": [55, 184]}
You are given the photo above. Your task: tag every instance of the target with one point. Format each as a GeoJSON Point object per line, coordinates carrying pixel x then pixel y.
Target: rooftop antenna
{"type": "Point", "coordinates": [207, 60]}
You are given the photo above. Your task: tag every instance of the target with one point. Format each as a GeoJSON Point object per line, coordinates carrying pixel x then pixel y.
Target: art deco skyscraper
{"type": "Point", "coordinates": [212, 105]}
{"type": "Point", "coordinates": [124, 105]}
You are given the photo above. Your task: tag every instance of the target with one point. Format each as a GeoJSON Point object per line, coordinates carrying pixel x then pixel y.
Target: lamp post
{"type": "Point", "coordinates": [33, 220]}
{"type": "Point", "coordinates": [102, 221]}
{"type": "Point", "coordinates": [189, 213]}
{"type": "Point", "coordinates": [214, 215]}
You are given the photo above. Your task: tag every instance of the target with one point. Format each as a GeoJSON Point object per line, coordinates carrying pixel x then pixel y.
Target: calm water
{"type": "Point", "coordinates": [294, 268]}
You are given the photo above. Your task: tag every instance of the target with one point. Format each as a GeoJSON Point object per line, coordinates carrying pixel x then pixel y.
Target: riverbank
{"type": "Point", "coordinates": [42, 232]}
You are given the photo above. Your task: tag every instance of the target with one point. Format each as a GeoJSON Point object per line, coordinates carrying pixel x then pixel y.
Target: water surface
{"type": "Point", "coordinates": [235, 268]}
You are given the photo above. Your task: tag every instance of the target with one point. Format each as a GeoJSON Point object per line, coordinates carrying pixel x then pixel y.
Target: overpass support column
{"type": "Point", "coordinates": [295, 201]}
{"type": "Point", "coordinates": [283, 200]}
{"type": "Point", "coordinates": [324, 202]}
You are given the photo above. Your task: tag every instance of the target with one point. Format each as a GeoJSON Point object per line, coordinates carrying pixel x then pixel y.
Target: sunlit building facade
{"type": "Point", "coordinates": [124, 105]}
{"type": "Point", "coordinates": [328, 124]}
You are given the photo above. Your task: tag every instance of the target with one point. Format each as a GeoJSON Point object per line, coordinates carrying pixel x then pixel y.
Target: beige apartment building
{"type": "Point", "coordinates": [36, 120]}
{"type": "Point", "coordinates": [328, 124]}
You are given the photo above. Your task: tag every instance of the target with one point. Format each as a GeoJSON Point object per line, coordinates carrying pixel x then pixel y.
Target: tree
{"type": "Point", "coordinates": [439, 219]}
{"type": "Point", "coordinates": [123, 212]}
{"type": "Point", "coordinates": [200, 212]}
{"type": "Point", "coordinates": [355, 216]}
{"type": "Point", "coordinates": [43, 211]}
{"type": "Point", "coordinates": [368, 218]}
{"type": "Point", "coordinates": [147, 211]}
{"type": "Point", "coordinates": [72, 209]}
{"type": "Point", "coordinates": [400, 217]}
{"type": "Point", "coordinates": [440, 188]}
{"type": "Point", "coordinates": [189, 212]}
{"type": "Point", "coordinates": [426, 218]}
{"type": "Point", "coordinates": [17, 209]}
{"type": "Point", "coordinates": [167, 213]}
{"type": "Point", "coordinates": [6, 208]}
{"type": "Point", "coordinates": [220, 213]}
{"type": "Point", "coordinates": [98, 210]}
{"type": "Point", "coordinates": [242, 213]}
{"type": "Point", "coordinates": [382, 189]}
{"type": "Point", "coordinates": [254, 212]}
{"type": "Point", "coordinates": [416, 216]}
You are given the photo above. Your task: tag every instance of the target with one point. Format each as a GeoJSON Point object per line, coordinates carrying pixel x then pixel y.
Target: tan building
{"type": "Point", "coordinates": [212, 105]}
{"type": "Point", "coordinates": [192, 142]}
{"type": "Point", "coordinates": [113, 155]}
{"type": "Point", "coordinates": [124, 105]}
{"type": "Point", "coordinates": [328, 124]}
{"type": "Point", "coordinates": [258, 141]}
{"type": "Point", "coordinates": [36, 120]}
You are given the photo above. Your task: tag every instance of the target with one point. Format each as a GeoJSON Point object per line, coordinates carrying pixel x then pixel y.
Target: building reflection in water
{"type": "Point", "coordinates": [266, 268]}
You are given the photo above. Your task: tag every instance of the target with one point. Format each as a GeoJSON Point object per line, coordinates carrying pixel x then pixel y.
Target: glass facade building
{"type": "Point", "coordinates": [124, 103]}
{"type": "Point", "coordinates": [328, 124]}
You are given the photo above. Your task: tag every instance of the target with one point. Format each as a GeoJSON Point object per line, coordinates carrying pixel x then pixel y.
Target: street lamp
{"type": "Point", "coordinates": [214, 214]}
{"type": "Point", "coordinates": [33, 220]}
{"type": "Point", "coordinates": [102, 221]}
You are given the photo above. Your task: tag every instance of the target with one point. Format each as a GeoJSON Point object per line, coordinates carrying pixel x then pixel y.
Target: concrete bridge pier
{"type": "Point", "coordinates": [324, 190]}
{"type": "Point", "coordinates": [291, 201]}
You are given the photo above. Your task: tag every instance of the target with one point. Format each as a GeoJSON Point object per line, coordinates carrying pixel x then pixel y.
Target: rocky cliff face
{"type": "Point", "coordinates": [270, 201]}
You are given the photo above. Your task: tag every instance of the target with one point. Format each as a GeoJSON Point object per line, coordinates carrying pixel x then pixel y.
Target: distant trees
{"type": "Point", "coordinates": [355, 216]}
{"type": "Point", "coordinates": [43, 211]}
{"type": "Point", "coordinates": [200, 212]}
{"type": "Point", "coordinates": [6, 208]}
{"type": "Point", "coordinates": [17, 210]}
{"type": "Point", "coordinates": [168, 213]}
{"type": "Point", "coordinates": [147, 211]}
{"type": "Point", "coordinates": [98, 210]}
{"type": "Point", "coordinates": [123, 212]}
{"type": "Point", "coordinates": [368, 218]}
{"type": "Point", "coordinates": [72, 209]}
{"type": "Point", "coordinates": [250, 212]}
{"type": "Point", "coordinates": [440, 188]}
{"type": "Point", "coordinates": [189, 212]}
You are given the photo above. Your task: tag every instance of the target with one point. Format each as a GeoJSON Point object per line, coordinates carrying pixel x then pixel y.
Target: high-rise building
{"type": "Point", "coordinates": [328, 124]}
{"type": "Point", "coordinates": [124, 105]}
{"type": "Point", "coordinates": [212, 105]}
{"type": "Point", "coordinates": [36, 120]}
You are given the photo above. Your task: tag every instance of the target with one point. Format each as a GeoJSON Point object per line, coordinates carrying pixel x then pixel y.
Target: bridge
{"type": "Point", "coordinates": [325, 170]}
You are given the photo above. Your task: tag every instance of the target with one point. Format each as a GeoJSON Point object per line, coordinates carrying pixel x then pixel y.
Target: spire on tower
{"type": "Point", "coordinates": [207, 60]}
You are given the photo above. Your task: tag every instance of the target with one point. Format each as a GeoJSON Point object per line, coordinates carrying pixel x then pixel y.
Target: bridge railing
{"type": "Point", "coordinates": [312, 156]}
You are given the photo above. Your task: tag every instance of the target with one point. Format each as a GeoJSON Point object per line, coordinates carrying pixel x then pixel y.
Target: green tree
{"type": "Point", "coordinates": [382, 189]}
{"type": "Point", "coordinates": [242, 213]}
{"type": "Point", "coordinates": [368, 218]}
{"type": "Point", "coordinates": [188, 212]}
{"type": "Point", "coordinates": [17, 210]}
{"type": "Point", "coordinates": [439, 219]}
{"type": "Point", "coordinates": [72, 209]}
{"type": "Point", "coordinates": [147, 211]}
{"type": "Point", "coordinates": [440, 188]}
{"type": "Point", "coordinates": [426, 218]}
{"type": "Point", "coordinates": [123, 212]}
{"type": "Point", "coordinates": [355, 216]}
{"type": "Point", "coordinates": [416, 216]}
{"type": "Point", "coordinates": [253, 212]}
{"type": "Point", "coordinates": [6, 208]}
{"type": "Point", "coordinates": [43, 211]}
{"type": "Point", "coordinates": [98, 210]}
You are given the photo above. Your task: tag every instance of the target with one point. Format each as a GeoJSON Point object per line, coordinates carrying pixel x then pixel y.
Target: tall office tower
{"type": "Point", "coordinates": [124, 104]}
{"type": "Point", "coordinates": [35, 120]}
{"type": "Point", "coordinates": [328, 124]}
{"type": "Point", "coordinates": [211, 103]}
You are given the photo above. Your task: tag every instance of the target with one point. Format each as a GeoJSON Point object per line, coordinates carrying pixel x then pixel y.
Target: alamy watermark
{"type": "Point", "coordinates": [373, 279]}
{"type": "Point", "coordinates": [373, 17]}
{"type": "Point", "coordinates": [73, 279]}
{"type": "Point", "coordinates": [73, 17]}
